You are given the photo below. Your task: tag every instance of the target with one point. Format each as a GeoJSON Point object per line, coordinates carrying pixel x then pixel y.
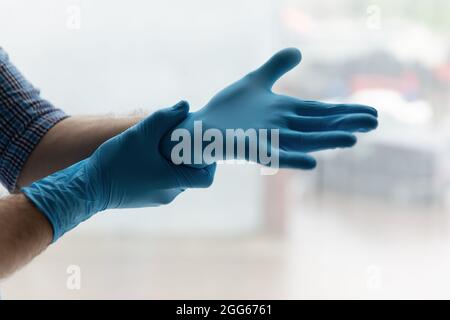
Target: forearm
{"type": "Point", "coordinates": [25, 230]}
{"type": "Point", "coordinates": [25, 233]}
{"type": "Point", "coordinates": [70, 141]}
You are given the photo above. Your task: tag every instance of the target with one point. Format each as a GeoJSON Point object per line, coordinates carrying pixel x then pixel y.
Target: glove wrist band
{"type": "Point", "coordinates": [65, 197]}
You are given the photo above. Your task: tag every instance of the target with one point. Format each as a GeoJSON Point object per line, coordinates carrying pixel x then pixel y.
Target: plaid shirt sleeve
{"type": "Point", "coordinates": [24, 119]}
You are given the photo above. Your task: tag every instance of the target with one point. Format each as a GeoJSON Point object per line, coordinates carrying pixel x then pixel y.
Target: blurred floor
{"type": "Point", "coordinates": [337, 249]}
{"type": "Point", "coordinates": [149, 268]}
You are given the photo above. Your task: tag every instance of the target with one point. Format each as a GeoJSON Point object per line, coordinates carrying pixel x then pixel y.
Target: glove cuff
{"type": "Point", "coordinates": [65, 197]}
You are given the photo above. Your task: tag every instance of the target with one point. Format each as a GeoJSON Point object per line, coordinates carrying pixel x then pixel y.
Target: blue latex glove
{"type": "Point", "coordinates": [126, 171]}
{"type": "Point", "coordinates": [304, 126]}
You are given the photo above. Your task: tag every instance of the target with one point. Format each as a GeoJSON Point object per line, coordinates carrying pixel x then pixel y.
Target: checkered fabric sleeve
{"type": "Point", "coordinates": [24, 119]}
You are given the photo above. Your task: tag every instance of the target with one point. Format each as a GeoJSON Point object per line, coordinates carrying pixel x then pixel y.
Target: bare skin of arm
{"type": "Point", "coordinates": [69, 141]}
{"type": "Point", "coordinates": [25, 232]}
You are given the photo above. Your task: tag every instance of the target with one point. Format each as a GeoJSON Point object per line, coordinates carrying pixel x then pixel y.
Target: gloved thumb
{"type": "Point", "coordinates": [160, 122]}
{"type": "Point", "coordinates": [279, 64]}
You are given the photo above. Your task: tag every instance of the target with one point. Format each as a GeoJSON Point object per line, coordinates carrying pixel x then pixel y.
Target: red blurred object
{"type": "Point", "coordinates": [408, 83]}
{"type": "Point", "coordinates": [443, 73]}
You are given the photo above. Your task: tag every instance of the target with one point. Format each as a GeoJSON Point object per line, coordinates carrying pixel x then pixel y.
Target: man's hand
{"type": "Point", "coordinates": [130, 172]}
{"type": "Point", "coordinates": [126, 171]}
{"type": "Point", "coordinates": [304, 126]}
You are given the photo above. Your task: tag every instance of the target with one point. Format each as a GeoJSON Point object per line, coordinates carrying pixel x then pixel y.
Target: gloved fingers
{"type": "Point", "coordinates": [344, 108]}
{"type": "Point", "coordinates": [189, 177]}
{"type": "Point", "coordinates": [162, 121]}
{"type": "Point", "coordinates": [309, 142]}
{"type": "Point", "coordinates": [317, 108]}
{"type": "Point", "coordinates": [279, 64]}
{"type": "Point", "coordinates": [296, 160]}
{"type": "Point", "coordinates": [357, 122]}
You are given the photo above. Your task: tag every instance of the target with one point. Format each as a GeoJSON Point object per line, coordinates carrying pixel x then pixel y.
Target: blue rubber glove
{"type": "Point", "coordinates": [126, 171]}
{"type": "Point", "coordinates": [304, 126]}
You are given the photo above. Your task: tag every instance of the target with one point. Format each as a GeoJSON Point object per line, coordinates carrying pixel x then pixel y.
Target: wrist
{"type": "Point", "coordinates": [66, 198]}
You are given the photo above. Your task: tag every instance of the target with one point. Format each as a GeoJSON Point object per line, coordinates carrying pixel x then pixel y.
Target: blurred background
{"type": "Point", "coordinates": [370, 222]}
